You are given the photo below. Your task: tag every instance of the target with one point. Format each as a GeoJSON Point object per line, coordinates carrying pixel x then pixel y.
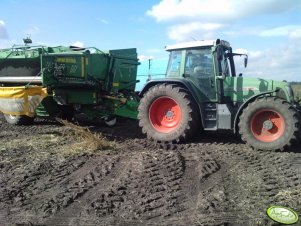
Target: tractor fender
{"type": "Point", "coordinates": [186, 85]}
{"type": "Point", "coordinates": [251, 99]}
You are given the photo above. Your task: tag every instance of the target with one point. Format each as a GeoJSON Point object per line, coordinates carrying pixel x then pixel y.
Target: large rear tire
{"type": "Point", "coordinates": [167, 113]}
{"type": "Point", "coordinates": [18, 119]}
{"type": "Point", "coordinates": [269, 123]}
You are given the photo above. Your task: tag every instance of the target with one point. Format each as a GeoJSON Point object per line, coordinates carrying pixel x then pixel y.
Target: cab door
{"type": "Point", "coordinates": [199, 69]}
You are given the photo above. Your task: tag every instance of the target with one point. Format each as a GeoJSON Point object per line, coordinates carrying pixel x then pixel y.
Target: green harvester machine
{"type": "Point", "coordinates": [87, 80]}
{"type": "Point", "coordinates": [99, 84]}
{"type": "Point", "coordinates": [201, 91]}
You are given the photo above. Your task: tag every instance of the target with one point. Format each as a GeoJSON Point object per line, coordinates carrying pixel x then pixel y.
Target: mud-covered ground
{"type": "Point", "coordinates": [50, 177]}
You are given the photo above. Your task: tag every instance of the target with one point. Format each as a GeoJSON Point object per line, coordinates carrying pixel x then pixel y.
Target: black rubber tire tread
{"type": "Point", "coordinates": [287, 111]}
{"type": "Point", "coordinates": [190, 117]}
{"type": "Point", "coordinates": [67, 112]}
{"type": "Point", "coordinates": [19, 120]}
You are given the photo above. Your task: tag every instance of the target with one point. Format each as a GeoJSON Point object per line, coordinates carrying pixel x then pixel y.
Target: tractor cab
{"type": "Point", "coordinates": [206, 64]}
{"type": "Point", "coordinates": [202, 58]}
{"type": "Point", "coordinates": [210, 69]}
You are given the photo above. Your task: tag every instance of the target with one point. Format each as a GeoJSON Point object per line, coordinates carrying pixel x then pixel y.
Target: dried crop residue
{"type": "Point", "coordinates": [66, 175]}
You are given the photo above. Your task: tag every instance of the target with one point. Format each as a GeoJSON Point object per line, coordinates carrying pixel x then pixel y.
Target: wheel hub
{"type": "Point", "coordinates": [268, 125]}
{"type": "Point", "coordinates": [169, 114]}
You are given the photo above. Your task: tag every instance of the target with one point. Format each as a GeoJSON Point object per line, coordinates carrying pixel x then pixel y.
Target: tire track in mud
{"type": "Point", "coordinates": [140, 187]}
{"type": "Point", "coordinates": [280, 171]}
{"type": "Point", "coordinates": [98, 175]}
{"type": "Point", "coordinates": [37, 184]}
{"type": "Point", "coordinates": [145, 186]}
{"type": "Point", "coordinates": [272, 178]}
{"type": "Point", "coordinates": [199, 169]}
{"type": "Point", "coordinates": [61, 187]}
{"type": "Point", "coordinates": [77, 184]}
{"type": "Point", "coordinates": [202, 183]}
{"type": "Point", "coordinates": [225, 197]}
{"type": "Point", "coordinates": [261, 179]}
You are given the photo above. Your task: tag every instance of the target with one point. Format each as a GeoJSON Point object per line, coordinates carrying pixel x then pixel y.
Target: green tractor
{"type": "Point", "coordinates": [201, 91]}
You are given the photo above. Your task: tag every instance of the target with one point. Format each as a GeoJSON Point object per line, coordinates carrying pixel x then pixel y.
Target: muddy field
{"type": "Point", "coordinates": [50, 176]}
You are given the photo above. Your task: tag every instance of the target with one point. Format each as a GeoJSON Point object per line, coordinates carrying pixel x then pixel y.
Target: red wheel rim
{"type": "Point", "coordinates": [165, 114]}
{"type": "Point", "coordinates": [267, 125]}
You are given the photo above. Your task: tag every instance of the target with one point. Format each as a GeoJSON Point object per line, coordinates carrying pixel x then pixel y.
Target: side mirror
{"type": "Point", "coordinates": [246, 60]}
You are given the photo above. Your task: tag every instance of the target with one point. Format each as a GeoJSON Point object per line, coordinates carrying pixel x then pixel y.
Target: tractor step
{"type": "Point", "coordinates": [210, 116]}
{"type": "Point", "coordinates": [217, 116]}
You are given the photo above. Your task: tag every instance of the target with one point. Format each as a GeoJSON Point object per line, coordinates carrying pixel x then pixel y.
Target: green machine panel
{"type": "Point", "coordinates": [124, 69]}
{"type": "Point", "coordinates": [113, 71]}
{"type": "Point", "coordinates": [74, 69]}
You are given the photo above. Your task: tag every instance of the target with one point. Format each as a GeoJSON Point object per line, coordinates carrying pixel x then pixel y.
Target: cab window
{"type": "Point", "coordinates": [199, 62]}
{"type": "Point", "coordinates": [173, 69]}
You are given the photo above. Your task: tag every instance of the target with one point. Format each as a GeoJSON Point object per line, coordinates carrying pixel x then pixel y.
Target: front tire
{"type": "Point", "coordinates": [167, 113]}
{"type": "Point", "coordinates": [269, 123]}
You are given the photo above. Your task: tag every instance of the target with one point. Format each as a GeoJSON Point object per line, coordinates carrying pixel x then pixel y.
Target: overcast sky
{"type": "Point", "coordinates": [268, 30]}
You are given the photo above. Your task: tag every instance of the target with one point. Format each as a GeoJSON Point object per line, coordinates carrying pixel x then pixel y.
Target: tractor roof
{"type": "Point", "coordinates": [198, 43]}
